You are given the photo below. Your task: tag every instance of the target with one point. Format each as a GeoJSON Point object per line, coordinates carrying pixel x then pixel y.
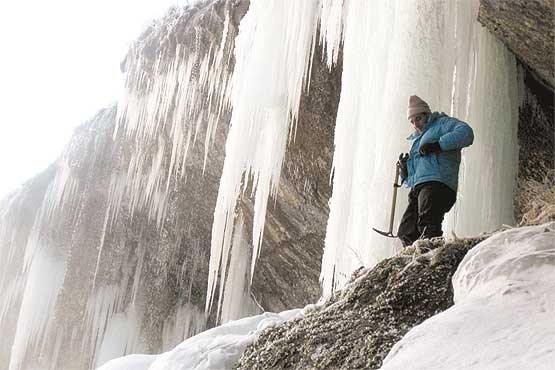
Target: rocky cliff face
{"type": "Point", "coordinates": [535, 197]}
{"type": "Point", "coordinates": [527, 28]}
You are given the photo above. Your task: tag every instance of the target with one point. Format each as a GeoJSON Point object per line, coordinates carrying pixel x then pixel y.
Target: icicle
{"type": "Point", "coordinates": [169, 98]}
{"type": "Point", "coordinates": [331, 28]}
{"type": "Point", "coordinates": [100, 307]}
{"type": "Point", "coordinates": [273, 52]}
{"type": "Point", "coordinates": [489, 170]}
{"type": "Point", "coordinates": [236, 292]}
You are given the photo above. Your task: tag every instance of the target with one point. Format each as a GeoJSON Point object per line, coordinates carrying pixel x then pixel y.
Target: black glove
{"type": "Point", "coordinates": [402, 165]}
{"type": "Point", "coordinates": [429, 148]}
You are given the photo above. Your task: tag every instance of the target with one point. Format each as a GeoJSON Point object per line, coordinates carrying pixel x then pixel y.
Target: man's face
{"type": "Point", "coordinates": [418, 121]}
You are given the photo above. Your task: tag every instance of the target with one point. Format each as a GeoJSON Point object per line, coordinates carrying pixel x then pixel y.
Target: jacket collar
{"type": "Point", "coordinates": [433, 118]}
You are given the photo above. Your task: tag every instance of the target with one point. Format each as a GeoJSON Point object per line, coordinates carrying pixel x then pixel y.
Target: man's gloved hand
{"type": "Point", "coordinates": [429, 148]}
{"type": "Point", "coordinates": [402, 165]}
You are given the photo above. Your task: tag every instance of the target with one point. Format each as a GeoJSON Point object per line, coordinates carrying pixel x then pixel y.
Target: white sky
{"type": "Point", "coordinates": [59, 64]}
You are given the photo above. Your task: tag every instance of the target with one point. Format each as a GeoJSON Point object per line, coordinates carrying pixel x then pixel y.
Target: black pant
{"type": "Point", "coordinates": [428, 203]}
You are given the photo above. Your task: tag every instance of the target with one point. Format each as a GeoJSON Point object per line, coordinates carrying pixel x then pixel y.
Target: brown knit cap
{"type": "Point", "coordinates": [417, 105]}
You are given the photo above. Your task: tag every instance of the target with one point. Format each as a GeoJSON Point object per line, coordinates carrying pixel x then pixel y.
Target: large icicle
{"type": "Point", "coordinates": [237, 301]}
{"type": "Point", "coordinates": [273, 52]}
{"type": "Point", "coordinates": [437, 50]}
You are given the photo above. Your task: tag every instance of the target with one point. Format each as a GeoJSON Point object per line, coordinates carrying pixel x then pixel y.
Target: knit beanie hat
{"type": "Point", "coordinates": [417, 105]}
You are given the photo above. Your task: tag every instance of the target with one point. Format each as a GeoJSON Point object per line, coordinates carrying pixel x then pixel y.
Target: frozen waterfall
{"type": "Point", "coordinates": [437, 50]}
{"type": "Point", "coordinates": [391, 49]}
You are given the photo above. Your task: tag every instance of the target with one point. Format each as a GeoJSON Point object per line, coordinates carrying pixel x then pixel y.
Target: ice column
{"type": "Point", "coordinates": [37, 306]}
{"type": "Point", "coordinates": [488, 172]}
{"type": "Point", "coordinates": [437, 50]}
{"type": "Point", "coordinates": [273, 53]}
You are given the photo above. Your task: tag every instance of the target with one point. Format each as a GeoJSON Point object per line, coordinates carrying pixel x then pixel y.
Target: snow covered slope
{"type": "Point", "coordinates": [502, 319]}
{"type": "Point", "coordinates": [503, 313]}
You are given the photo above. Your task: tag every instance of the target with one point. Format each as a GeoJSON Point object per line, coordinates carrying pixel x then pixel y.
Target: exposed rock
{"type": "Point", "coordinates": [527, 27]}
{"type": "Point", "coordinates": [296, 222]}
{"type": "Point", "coordinates": [535, 196]}
{"type": "Point", "coordinates": [357, 328]}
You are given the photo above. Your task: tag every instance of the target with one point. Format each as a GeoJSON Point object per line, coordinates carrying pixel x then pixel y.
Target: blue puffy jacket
{"type": "Point", "coordinates": [452, 135]}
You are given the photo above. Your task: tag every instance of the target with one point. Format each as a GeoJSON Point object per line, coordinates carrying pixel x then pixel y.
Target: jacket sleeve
{"type": "Point", "coordinates": [457, 135]}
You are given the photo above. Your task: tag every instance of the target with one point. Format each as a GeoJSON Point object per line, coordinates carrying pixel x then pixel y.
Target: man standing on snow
{"type": "Point", "coordinates": [430, 170]}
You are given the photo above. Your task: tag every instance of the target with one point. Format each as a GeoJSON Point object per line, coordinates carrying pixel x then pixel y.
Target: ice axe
{"type": "Point", "coordinates": [389, 233]}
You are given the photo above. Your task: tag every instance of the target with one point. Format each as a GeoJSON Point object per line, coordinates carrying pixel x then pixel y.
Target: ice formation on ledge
{"type": "Point", "coordinates": [273, 53]}
{"type": "Point", "coordinates": [169, 98]}
{"type": "Point", "coordinates": [175, 95]}
{"type": "Point", "coordinates": [503, 314]}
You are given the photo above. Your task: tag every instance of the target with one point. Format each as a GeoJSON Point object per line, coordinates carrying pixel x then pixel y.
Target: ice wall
{"type": "Point", "coordinates": [78, 290]}
{"type": "Point", "coordinates": [437, 50]}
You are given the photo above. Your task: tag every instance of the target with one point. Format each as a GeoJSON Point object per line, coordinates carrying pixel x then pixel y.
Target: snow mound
{"type": "Point", "coordinates": [503, 314]}
{"type": "Point", "coordinates": [214, 349]}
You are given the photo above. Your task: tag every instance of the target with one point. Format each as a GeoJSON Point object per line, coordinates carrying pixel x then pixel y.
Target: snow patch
{"type": "Point", "coordinates": [503, 313]}
{"type": "Point", "coordinates": [217, 348]}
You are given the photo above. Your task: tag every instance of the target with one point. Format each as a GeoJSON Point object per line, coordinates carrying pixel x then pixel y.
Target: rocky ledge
{"type": "Point", "coordinates": [527, 27]}
{"type": "Point", "coordinates": [357, 328]}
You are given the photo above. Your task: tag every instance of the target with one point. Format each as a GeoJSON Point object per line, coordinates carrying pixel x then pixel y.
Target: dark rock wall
{"type": "Point", "coordinates": [536, 138]}
{"type": "Point", "coordinates": [527, 27]}
{"type": "Point", "coordinates": [536, 129]}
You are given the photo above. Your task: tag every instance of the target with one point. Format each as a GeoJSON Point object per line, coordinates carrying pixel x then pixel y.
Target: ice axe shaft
{"type": "Point", "coordinates": [389, 233]}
